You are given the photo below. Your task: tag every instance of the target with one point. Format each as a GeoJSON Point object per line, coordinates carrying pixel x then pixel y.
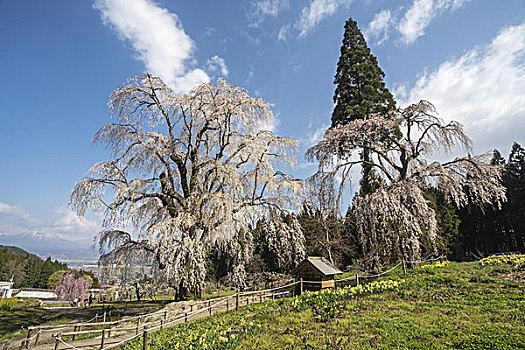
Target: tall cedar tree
{"type": "Point", "coordinates": [360, 90]}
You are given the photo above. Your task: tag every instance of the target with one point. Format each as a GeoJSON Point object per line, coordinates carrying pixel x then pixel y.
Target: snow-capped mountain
{"type": "Point", "coordinates": [48, 244]}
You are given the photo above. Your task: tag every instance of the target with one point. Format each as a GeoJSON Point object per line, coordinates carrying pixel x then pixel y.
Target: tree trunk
{"type": "Point", "coordinates": [137, 291]}
{"type": "Point", "coordinates": [181, 293]}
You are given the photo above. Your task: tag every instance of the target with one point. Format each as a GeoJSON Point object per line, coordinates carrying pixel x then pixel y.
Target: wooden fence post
{"type": "Point", "coordinates": [102, 339]}
{"type": "Point", "coordinates": [191, 308]}
{"type": "Point", "coordinates": [301, 287]}
{"type": "Point", "coordinates": [145, 340]}
{"type": "Point", "coordinates": [161, 323]}
{"type": "Point", "coordinates": [57, 343]}
{"type": "Point", "coordinates": [104, 319]}
{"type": "Point", "coordinates": [404, 266]}
{"type": "Point", "coordinates": [74, 330]}
{"type": "Point", "coordinates": [37, 336]}
{"type": "Point", "coordinates": [27, 339]}
{"type": "Point", "coordinates": [356, 279]}
{"type": "Point", "coordinates": [261, 297]}
{"type": "Point", "coordinates": [227, 304]}
{"type": "Point", "coordinates": [109, 330]}
{"type": "Point", "coordinates": [237, 301]}
{"type": "Point", "coordinates": [165, 315]}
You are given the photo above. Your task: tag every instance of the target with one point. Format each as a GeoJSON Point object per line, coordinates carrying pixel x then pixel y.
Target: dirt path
{"type": "Point", "coordinates": [70, 315]}
{"type": "Point", "coordinates": [95, 343]}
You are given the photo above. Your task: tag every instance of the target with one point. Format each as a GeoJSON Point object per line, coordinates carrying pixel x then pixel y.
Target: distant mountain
{"type": "Point", "coordinates": [47, 244]}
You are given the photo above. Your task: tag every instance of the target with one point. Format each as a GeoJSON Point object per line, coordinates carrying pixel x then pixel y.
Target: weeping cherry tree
{"type": "Point", "coordinates": [186, 171]}
{"type": "Point", "coordinates": [397, 222]}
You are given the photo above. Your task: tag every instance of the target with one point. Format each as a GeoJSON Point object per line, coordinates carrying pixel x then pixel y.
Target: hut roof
{"type": "Point", "coordinates": [321, 264]}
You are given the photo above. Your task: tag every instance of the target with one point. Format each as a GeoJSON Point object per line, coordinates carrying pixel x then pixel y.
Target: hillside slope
{"type": "Point", "coordinates": [18, 251]}
{"type": "Point", "coordinates": [456, 306]}
{"type": "Point", "coordinates": [27, 270]}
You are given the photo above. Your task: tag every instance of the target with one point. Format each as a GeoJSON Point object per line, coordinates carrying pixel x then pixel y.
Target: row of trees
{"type": "Point", "coordinates": [488, 229]}
{"type": "Point", "coordinates": [196, 184]}
{"type": "Point", "coordinates": [463, 233]}
{"type": "Point", "coordinates": [56, 278]}
{"type": "Point", "coordinates": [27, 270]}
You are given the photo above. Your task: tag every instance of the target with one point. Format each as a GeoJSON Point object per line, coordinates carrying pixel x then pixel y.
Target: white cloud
{"type": "Point", "coordinates": [410, 23]}
{"type": "Point", "coordinates": [19, 212]}
{"type": "Point", "coordinates": [420, 14]}
{"type": "Point", "coordinates": [484, 89]}
{"type": "Point", "coordinates": [316, 11]}
{"type": "Point", "coordinates": [283, 32]}
{"type": "Point", "coordinates": [209, 31]}
{"type": "Point", "coordinates": [264, 8]}
{"type": "Point", "coordinates": [251, 72]}
{"type": "Point", "coordinates": [378, 28]}
{"type": "Point", "coordinates": [16, 220]}
{"type": "Point", "coordinates": [158, 38]}
{"type": "Point", "coordinates": [316, 134]}
{"type": "Point", "coordinates": [72, 226]}
{"type": "Point", "coordinates": [270, 125]}
{"type": "Point", "coordinates": [216, 63]}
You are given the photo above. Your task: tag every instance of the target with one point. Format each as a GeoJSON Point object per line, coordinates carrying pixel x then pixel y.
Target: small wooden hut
{"type": "Point", "coordinates": [317, 270]}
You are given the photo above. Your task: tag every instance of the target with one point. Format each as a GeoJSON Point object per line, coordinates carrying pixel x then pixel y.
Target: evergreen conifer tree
{"type": "Point", "coordinates": [360, 90]}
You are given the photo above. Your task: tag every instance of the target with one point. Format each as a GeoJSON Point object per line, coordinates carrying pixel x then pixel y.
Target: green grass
{"type": "Point", "coordinates": [14, 320]}
{"type": "Point", "coordinates": [458, 306]}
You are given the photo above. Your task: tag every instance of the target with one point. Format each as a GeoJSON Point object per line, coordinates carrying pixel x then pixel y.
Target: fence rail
{"type": "Point", "coordinates": [159, 324]}
{"type": "Point", "coordinates": [181, 315]}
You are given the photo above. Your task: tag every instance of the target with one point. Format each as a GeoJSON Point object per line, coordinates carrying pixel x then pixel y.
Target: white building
{"type": "Point", "coordinates": [36, 294]}
{"type": "Point", "coordinates": [6, 289]}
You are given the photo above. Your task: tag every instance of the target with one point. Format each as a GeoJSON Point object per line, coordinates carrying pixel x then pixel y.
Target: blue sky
{"type": "Point", "coordinates": [59, 61]}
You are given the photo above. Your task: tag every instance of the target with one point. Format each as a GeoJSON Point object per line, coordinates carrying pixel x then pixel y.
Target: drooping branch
{"type": "Point", "coordinates": [396, 220]}
{"type": "Point", "coordinates": [187, 170]}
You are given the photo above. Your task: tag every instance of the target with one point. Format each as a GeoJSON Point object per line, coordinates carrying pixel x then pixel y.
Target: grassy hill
{"type": "Point", "coordinates": [452, 306]}
{"type": "Point", "coordinates": [26, 269]}
{"type": "Point", "coordinates": [18, 251]}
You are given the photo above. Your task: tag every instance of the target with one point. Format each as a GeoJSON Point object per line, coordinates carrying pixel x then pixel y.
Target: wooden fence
{"type": "Point", "coordinates": [142, 325]}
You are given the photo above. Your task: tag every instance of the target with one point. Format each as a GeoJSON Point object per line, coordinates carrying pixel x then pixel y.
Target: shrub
{"type": "Point", "coordinates": [8, 304]}
{"type": "Point", "coordinates": [517, 261]}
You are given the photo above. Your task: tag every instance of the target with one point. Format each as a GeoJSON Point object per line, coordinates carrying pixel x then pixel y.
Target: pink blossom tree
{"type": "Point", "coordinates": [73, 288]}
